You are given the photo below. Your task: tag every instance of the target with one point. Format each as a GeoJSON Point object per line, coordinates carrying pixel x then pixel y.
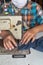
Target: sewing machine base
{"type": "Point", "coordinates": [3, 51]}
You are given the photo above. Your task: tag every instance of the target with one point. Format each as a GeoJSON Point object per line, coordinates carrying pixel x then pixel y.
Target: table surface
{"type": "Point", "coordinates": [35, 58]}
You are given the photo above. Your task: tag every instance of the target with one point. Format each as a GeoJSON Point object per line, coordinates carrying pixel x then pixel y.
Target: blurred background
{"type": "Point", "coordinates": [38, 1]}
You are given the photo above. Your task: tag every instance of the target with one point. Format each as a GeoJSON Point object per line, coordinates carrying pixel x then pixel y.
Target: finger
{"type": "Point", "coordinates": [24, 40]}
{"type": "Point", "coordinates": [5, 46]}
{"type": "Point", "coordinates": [33, 39]}
{"type": "Point", "coordinates": [28, 34]}
{"type": "Point", "coordinates": [8, 46]}
{"type": "Point", "coordinates": [11, 46]}
{"type": "Point", "coordinates": [13, 41]}
{"type": "Point", "coordinates": [0, 31]}
{"type": "Point", "coordinates": [24, 36]}
{"type": "Point", "coordinates": [29, 38]}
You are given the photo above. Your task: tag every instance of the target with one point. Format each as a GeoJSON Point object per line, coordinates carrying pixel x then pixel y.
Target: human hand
{"type": "Point", "coordinates": [8, 40]}
{"type": "Point", "coordinates": [9, 43]}
{"type": "Point", "coordinates": [30, 34]}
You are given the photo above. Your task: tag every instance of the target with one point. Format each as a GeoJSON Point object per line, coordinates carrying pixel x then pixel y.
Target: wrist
{"type": "Point", "coordinates": [4, 34]}
{"type": "Point", "coordinates": [37, 29]}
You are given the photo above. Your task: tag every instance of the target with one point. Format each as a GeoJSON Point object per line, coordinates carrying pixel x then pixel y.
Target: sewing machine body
{"type": "Point", "coordinates": [13, 24]}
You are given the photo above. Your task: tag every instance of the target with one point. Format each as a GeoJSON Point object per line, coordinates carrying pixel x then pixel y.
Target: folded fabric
{"type": "Point", "coordinates": [37, 44]}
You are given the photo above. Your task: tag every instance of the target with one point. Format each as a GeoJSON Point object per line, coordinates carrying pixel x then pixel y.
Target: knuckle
{"type": "Point", "coordinates": [9, 37]}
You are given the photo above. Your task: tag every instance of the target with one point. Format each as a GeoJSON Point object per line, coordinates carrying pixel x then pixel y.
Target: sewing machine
{"type": "Point", "coordinates": [13, 23]}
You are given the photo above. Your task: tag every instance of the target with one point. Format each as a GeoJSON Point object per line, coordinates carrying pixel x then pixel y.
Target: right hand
{"type": "Point", "coordinates": [7, 42]}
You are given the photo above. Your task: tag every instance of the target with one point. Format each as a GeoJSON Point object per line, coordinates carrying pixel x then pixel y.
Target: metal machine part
{"type": "Point", "coordinates": [19, 56]}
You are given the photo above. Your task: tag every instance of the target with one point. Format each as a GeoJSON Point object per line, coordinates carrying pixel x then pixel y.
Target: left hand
{"type": "Point", "coordinates": [30, 34]}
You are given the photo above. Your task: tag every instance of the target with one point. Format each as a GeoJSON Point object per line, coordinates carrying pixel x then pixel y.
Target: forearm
{"type": "Point", "coordinates": [39, 28]}
{"type": "Point", "coordinates": [3, 34]}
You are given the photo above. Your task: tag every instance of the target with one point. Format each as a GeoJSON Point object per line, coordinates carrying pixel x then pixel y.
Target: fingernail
{"type": "Point", "coordinates": [26, 43]}
{"type": "Point", "coordinates": [21, 41]}
{"type": "Point", "coordinates": [0, 31]}
{"type": "Point", "coordinates": [16, 45]}
{"type": "Point", "coordinates": [6, 49]}
{"type": "Point", "coordinates": [12, 47]}
{"type": "Point", "coordinates": [32, 41]}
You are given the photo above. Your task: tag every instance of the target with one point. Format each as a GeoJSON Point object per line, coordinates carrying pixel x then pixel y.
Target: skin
{"type": "Point", "coordinates": [8, 43]}
{"type": "Point", "coordinates": [8, 40]}
{"type": "Point", "coordinates": [30, 34]}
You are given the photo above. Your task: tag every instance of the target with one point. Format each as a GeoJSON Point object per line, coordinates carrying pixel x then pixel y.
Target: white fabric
{"type": "Point", "coordinates": [19, 3]}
